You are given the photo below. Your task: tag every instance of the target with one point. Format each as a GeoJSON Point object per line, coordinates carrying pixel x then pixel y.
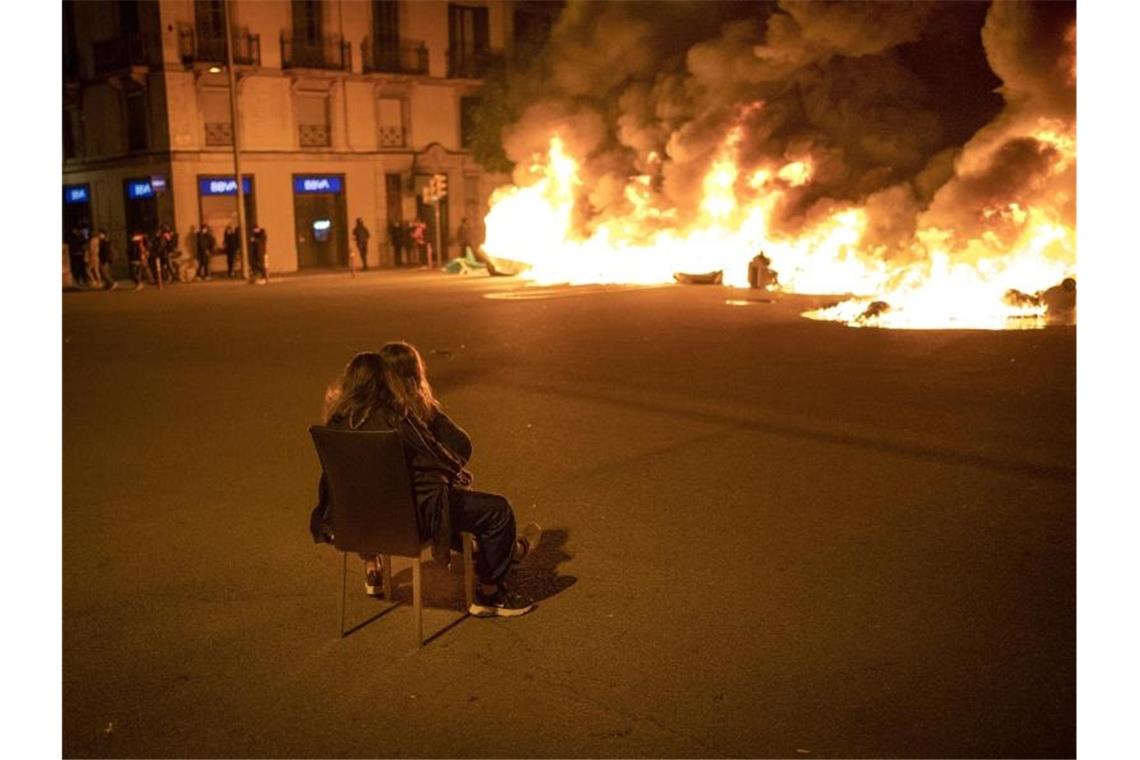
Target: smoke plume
{"type": "Point", "coordinates": [924, 114]}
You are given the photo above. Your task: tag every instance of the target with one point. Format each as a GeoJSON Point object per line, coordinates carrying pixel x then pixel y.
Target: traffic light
{"type": "Point", "coordinates": [439, 185]}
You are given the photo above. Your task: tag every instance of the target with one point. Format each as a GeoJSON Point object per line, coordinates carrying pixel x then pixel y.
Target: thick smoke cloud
{"type": "Point", "coordinates": [1031, 46]}
{"type": "Point", "coordinates": [921, 112]}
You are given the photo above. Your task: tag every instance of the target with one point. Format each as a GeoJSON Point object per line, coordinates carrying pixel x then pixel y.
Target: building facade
{"type": "Point", "coordinates": [346, 109]}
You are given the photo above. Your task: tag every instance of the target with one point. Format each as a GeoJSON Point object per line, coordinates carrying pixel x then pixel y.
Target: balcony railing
{"type": "Point", "coordinates": [404, 57]}
{"type": "Point", "coordinates": [120, 53]}
{"type": "Point", "coordinates": [329, 52]}
{"type": "Point", "coordinates": [468, 64]}
{"type": "Point", "coordinates": [206, 47]}
{"type": "Point", "coordinates": [314, 135]}
{"type": "Point", "coordinates": [392, 136]}
{"type": "Point", "coordinates": [219, 133]}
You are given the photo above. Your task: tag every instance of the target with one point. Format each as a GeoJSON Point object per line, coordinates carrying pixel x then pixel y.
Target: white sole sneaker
{"type": "Point", "coordinates": [489, 610]}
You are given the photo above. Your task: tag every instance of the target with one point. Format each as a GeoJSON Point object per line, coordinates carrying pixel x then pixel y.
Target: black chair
{"type": "Point", "coordinates": [373, 509]}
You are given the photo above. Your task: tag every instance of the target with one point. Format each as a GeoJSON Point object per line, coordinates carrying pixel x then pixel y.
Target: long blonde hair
{"type": "Point", "coordinates": [406, 389]}
{"type": "Point", "coordinates": [352, 398]}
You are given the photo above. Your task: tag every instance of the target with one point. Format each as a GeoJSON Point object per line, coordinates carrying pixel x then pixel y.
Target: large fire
{"type": "Point", "coordinates": [996, 280]}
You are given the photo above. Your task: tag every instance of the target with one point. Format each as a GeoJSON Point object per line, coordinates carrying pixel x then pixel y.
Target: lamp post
{"type": "Point", "coordinates": [244, 236]}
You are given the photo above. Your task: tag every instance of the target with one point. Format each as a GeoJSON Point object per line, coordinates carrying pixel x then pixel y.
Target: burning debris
{"type": "Point", "coordinates": [873, 311]}
{"type": "Point", "coordinates": [707, 278]}
{"type": "Point", "coordinates": [861, 146]}
{"type": "Point", "coordinates": [761, 276]}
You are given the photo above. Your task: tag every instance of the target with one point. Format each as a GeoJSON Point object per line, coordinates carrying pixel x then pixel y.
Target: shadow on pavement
{"type": "Point", "coordinates": [538, 576]}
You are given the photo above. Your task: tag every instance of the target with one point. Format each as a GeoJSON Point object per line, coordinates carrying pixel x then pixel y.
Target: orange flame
{"type": "Point", "coordinates": [1025, 248]}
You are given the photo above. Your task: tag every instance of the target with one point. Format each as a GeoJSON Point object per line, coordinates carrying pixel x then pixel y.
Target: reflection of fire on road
{"type": "Point", "coordinates": [944, 244]}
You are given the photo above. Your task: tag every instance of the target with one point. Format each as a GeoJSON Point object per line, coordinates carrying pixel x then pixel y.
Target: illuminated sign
{"type": "Point", "coordinates": [158, 183]}
{"type": "Point", "coordinates": [321, 224]}
{"type": "Point", "coordinates": [139, 188]}
{"type": "Point", "coordinates": [317, 184]}
{"type": "Point", "coordinates": [223, 185]}
{"type": "Point", "coordinates": [76, 193]}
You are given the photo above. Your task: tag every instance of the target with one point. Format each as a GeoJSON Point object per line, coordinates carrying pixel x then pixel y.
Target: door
{"type": "Point", "coordinates": [321, 230]}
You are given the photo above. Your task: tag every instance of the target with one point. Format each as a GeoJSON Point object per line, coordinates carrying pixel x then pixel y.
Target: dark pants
{"type": "Point", "coordinates": [78, 268]}
{"type": "Point", "coordinates": [231, 258]}
{"type": "Point", "coordinates": [105, 274]}
{"type": "Point", "coordinates": [203, 265]}
{"type": "Point", "coordinates": [363, 254]}
{"type": "Point", "coordinates": [138, 271]}
{"type": "Point", "coordinates": [257, 264]}
{"type": "Point", "coordinates": [490, 517]}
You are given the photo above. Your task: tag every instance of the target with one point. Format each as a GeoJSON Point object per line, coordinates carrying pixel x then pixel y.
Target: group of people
{"type": "Point", "coordinates": [154, 257]}
{"type": "Point", "coordinates": [205, 244]}
{"type": "Point", "coordinates": [89, 258]}
{"type": "Point", "coordinates": [409, 242]}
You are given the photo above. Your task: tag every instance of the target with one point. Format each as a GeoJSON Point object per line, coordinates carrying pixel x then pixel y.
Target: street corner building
{"type": "Point", "coordinates": [345, 110]}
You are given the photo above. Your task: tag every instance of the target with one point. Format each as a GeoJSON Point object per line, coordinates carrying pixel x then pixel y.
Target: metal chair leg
{"type": "Point", "coordinates": [386, 575]}
{"type": "Point", "coordinates": [417, 604]}
{"type": "Point", "coordinates": [468, 570]}
{"type": "Point", "coordinates": [343, 583]}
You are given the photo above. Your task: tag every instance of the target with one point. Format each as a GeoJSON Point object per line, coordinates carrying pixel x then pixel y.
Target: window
{"type": "Point", "coordinates": [128, 18]}
{"type": "Point", "coordinates": [70, 46]}
{"type": "Point", "coordinates": [469, 40]}
{"type": "Point", "coordinates": [307, 22]}
{"type": "Point", "coordinates": [216, 115]}
{"type": "Point", "coordinates": [385, 24]}
{"type": "Point", "coordinates": [532, 30]}
{"type": "Point", "coordinates": [136, 112]}
{"type": "Point", "coordinates": [467, 109]}
{"type": "Point", "coordinates": [391, 119]}
{"type": "Point", "coordinates": [70, 143]}
{"type": "Point", "coordinates": [313, 119]}
{"type": "Point", "coordinates": [209, 18]}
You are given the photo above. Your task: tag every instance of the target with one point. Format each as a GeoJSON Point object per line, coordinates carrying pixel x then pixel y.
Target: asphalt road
{"type": "Point", "coordinates": [767, 536]}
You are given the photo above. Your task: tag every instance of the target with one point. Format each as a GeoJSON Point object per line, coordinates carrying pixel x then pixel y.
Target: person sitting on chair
{"type": "Point", "coordinates": [388, 389]}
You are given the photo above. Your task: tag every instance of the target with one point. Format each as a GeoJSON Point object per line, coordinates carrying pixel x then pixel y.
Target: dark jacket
{"type": "Point", "coordinates": [436, 457]}
{"type": "Point", "coordinates": [206, 243]}
{"type": "Point", "coordinates": [361, 234]}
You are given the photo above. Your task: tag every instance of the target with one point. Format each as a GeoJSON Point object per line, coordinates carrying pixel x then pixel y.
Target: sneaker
{"type": "Point", "coordinates": [502, 603]}
{"type": "Point", "coordinates": [526, 542]}
{"type": "Point", "coordinates": [373, 584]}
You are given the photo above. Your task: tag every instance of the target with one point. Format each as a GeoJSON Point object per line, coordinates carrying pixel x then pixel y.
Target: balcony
{"type": "Point", "coordinates": [329, 52]}
{"type": "Point", "coordinates": [392, 136]}
{"type": "Point", "coordinates": [120, 53]}
{"type": "Point", "coordinates": [219, 133]}
{"type": "Point", "coordinates": [314, 136]}
{"type": "Point", "coordinates": [197, 46]}
{"type": "Point", "coordinates": [468, 64]}
{"type": "Point", "coordinates": [403, 57]}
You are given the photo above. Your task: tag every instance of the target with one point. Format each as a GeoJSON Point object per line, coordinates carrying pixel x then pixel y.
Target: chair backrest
{"type": "Point", "coordinates": [373, 510]}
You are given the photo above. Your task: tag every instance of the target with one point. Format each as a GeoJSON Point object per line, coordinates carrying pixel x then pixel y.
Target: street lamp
{"type": "Point", "coordinates": [244, 236]}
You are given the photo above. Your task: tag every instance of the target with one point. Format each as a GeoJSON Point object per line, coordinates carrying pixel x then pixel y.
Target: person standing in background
{"type": "Point", "coordinates": [206, 245]}
{"type": "Point", "coordinates": [77, 255]}
{"type": "Point", "coordinates": [137, 254]}
{"type": "Point", "coordinates": [258, 254]}
{"type": "Point", "coordinates": [361, 235]}
{"type": "Point", "coordinates": [94, 280]}
{"type": "Point", "coordinates": [419, 240]}
{"type": "Point", "coordinates": [396, 238]}
{"type": "Point", "coordinates": [106, 256]}
{"type": "Point", "coordinates": [232, 244]}
{"type": "Point", "coordinates": [464, 235]}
